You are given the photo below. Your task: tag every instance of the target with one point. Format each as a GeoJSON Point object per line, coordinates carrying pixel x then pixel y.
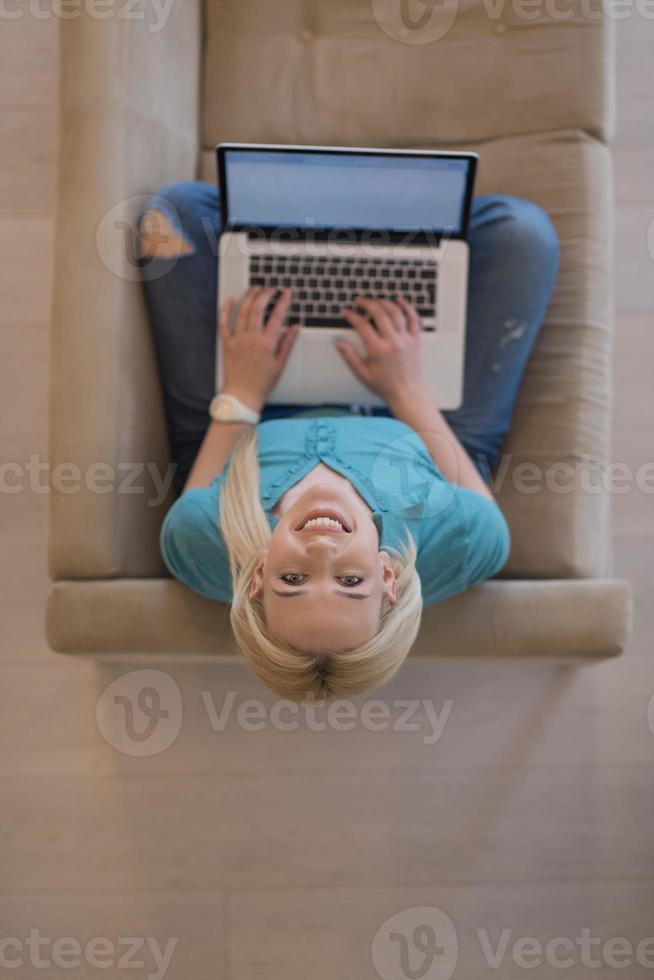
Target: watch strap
{"type": "Point", "coordinates": [228, 408]}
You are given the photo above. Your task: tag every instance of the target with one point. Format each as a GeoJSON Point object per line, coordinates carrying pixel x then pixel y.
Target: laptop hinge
{"type": "Point", "coordinates": [432, 238]}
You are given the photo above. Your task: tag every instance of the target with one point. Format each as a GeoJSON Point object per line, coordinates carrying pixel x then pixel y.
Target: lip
{"type": "Point", "coordinates": [325, 512]}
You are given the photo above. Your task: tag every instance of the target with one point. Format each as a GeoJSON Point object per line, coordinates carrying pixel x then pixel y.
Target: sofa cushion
{"type": "Point", "coordinates": [559, 515]}
{"type": "Point", "coordinates": [128, 124]}
{"type": "Point", "coordinates": [349, 71]}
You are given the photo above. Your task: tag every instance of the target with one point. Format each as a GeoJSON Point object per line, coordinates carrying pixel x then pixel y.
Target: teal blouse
{"type": "Point", "coordinates": [461, 537]}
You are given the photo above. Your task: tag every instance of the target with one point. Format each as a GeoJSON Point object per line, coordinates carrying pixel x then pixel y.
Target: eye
{"type": "Point", "coordinates": [292, 578]}
{"type": "Point", "coordinates": [351, 580]}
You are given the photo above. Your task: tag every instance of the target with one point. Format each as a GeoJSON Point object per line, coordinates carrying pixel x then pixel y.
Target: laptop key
{"type": "Point", "coordinates": [325, 321]}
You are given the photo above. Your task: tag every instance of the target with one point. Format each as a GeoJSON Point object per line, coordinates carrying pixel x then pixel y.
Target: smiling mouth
{"type": "Point", "coordinates": [324, 519]}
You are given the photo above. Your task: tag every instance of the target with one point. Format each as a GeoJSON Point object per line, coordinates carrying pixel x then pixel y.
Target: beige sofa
{"type": "Point", "coordinates": [143, 104]}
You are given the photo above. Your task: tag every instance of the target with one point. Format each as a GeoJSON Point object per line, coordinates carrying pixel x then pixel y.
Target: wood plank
{"type": "Point", "coordinates": [323, 934]}
{"type": "Point", "coordinates": [149, 832]}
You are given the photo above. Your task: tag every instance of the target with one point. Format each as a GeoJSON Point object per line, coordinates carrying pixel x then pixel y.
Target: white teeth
{"type": "Point", "coordinates": [324, 522]}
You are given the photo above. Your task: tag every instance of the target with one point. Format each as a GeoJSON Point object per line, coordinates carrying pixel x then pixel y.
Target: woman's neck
{"type": "Point", "coordinates": [321, 473]}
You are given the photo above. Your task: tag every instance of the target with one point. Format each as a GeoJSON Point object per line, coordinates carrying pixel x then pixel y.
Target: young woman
{"type": "Point", "coordinates": [329, 528]}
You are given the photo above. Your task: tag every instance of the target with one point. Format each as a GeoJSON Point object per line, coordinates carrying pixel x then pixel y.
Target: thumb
{"type": "Point", "coordinates": [286, 343]}
{"type": "Point", "coordinates": [353, 359]}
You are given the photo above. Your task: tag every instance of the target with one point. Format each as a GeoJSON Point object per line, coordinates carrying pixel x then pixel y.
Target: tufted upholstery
{"type": "Point", "coordinates": [350, 71]}
{"type": "Point", "coordinates": [141, 107]}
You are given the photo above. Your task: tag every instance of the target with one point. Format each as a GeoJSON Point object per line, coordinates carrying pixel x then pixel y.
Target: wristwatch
{"type": "Point", "coordinates": [229, 408]}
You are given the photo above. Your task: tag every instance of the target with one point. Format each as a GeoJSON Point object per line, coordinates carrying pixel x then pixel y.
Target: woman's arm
{"type": "Point", "coordinates": [393, 370]}
{"type": "Point", "coordinates": [254, 355]}
{"type": "Point", "coordinates": [419, 412]}
{"type": "Point", "coordinates": [219, 441]}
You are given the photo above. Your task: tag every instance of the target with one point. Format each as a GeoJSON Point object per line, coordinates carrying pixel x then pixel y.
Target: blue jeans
{"type": "Point", "coordinates": [514, 257]}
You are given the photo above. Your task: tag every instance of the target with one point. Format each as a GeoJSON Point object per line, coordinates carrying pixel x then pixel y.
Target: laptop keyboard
{"type": "Point", "coordinates": [321, 285]}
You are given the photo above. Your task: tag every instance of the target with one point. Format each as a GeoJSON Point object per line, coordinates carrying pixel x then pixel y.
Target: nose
{"type": "Point", "coordinates": [322, 540]}
{"type": "Point", "coordinates": [323, 544]}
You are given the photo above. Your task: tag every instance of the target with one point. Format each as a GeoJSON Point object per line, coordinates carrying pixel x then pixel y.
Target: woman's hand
{"type": "Point", "coordinates": [254, 353]}
{"type": "Point", "coordinates": [392, 367]}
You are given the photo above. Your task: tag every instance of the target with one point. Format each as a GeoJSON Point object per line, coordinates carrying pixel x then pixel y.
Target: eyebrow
{"type": "Point", "coordinates": [348, 595]}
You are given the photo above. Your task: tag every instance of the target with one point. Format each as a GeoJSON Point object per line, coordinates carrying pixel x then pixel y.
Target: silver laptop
{"type": "Point", "coordinates": [334, 223]}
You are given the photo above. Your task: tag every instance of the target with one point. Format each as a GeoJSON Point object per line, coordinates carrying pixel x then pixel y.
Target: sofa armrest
{"type": "Point", "coordinates": [128, 124]}
{"type": "Point", "coordinates": [556, 620]}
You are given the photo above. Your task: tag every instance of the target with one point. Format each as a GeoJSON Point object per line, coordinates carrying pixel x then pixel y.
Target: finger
{"type": "Point", "coordinates": [244, 308]}
{"type": "Point", "coordinates": [225, 318]}
{"type": "Point", "coordinates": [413, 317]}
{"type": "Point", "coordinates": [362, 326]}
{"type": "Point", "coordinates": [256, 311]}
{"type": "Point", "coordinates": [276, 319]}
{"type": "Point", "coordinates": [379, 315]}
{"type": "Point", "coordinates": [395, 314]}
{"type": "Point", "coordinates": [286, 343]}
{"type": "Point", "coordinates": [353, 359]}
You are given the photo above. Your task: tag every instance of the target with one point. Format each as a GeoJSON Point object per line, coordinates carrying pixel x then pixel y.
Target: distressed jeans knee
{"type": "Point", "coordinates": [158, 238]}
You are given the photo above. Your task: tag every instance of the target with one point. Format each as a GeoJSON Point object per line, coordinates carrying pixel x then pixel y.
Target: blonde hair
{"type": "Point", "coordinates": [293, 673]}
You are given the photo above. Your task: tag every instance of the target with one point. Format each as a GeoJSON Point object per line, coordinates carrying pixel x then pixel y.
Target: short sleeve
{"type": "Point", "coordinates": [464, 540]}
{"type": "Point", "coordinates": [487, 534]}
{"type": "Point", "coordinates": [193, 547]}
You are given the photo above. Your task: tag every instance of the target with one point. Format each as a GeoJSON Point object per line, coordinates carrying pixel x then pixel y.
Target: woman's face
{"type": "Point", "coordinates": [323, 584]}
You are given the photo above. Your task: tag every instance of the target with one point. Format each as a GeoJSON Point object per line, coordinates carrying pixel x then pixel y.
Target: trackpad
{"type": "Point", "coordinates": [316, 372]}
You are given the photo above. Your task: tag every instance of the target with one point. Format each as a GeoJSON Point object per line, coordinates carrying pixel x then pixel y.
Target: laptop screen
{"type": "Point", "coordinates": [323, 189]}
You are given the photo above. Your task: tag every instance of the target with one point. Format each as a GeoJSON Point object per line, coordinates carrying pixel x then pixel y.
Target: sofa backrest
{"type": "Point", "coordinates": [403, 72]}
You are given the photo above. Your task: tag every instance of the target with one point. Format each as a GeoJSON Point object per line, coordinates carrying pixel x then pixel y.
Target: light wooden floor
{"type": "Point", "coordinates": [280, 854]}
